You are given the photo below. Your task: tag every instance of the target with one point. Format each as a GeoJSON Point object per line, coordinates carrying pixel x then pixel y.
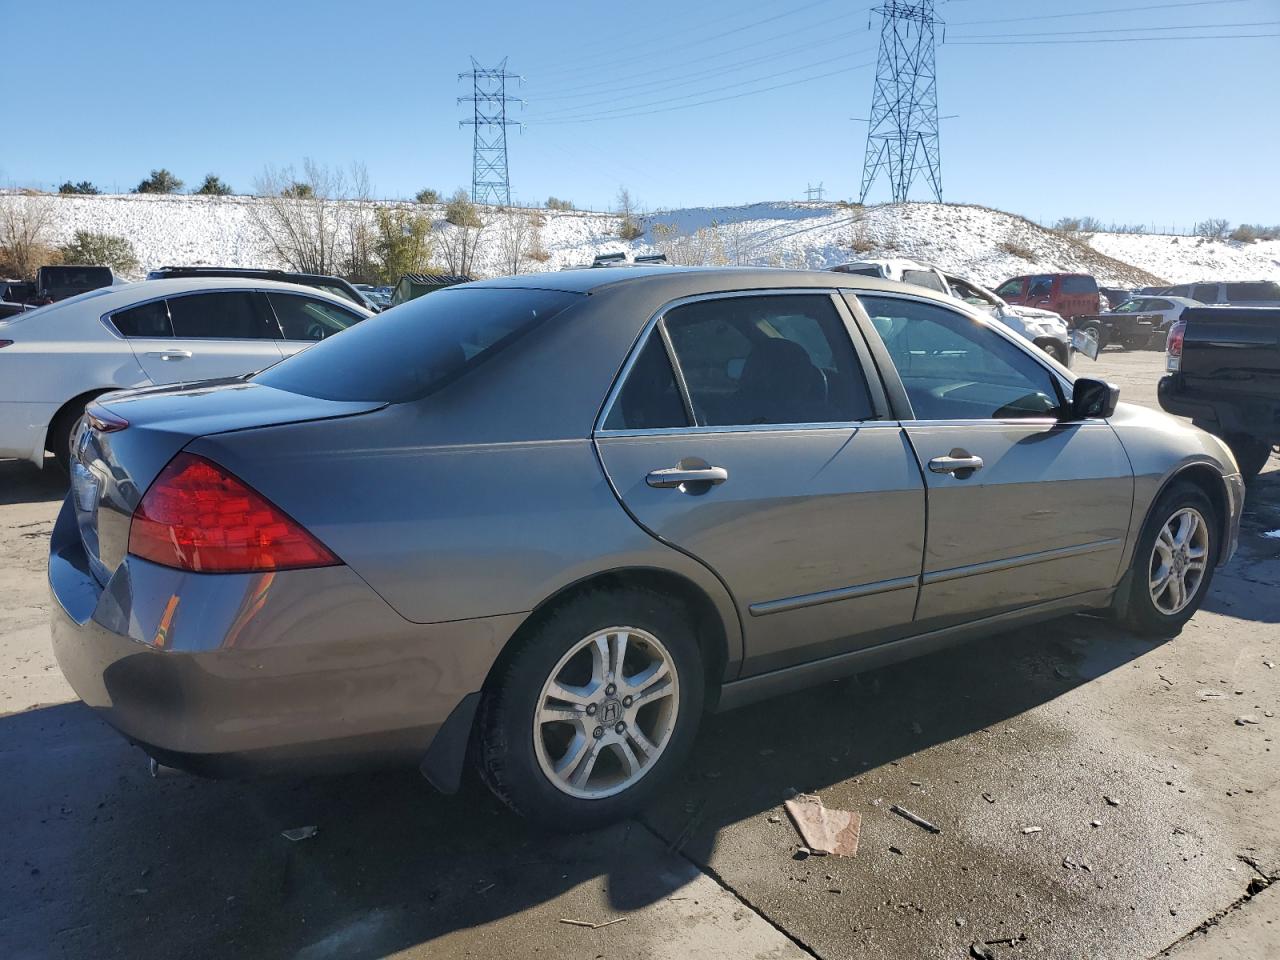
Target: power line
{"type": "Point", "coordinates": [623, 82]}
{"type": "Point", "coordinates": [1092, 13]}
{"type": "Point", "coordinates": [698, 93]}
{"type": "Point", "coordinates": [1188, 26]}
{"type": "Point", "coordinates": [591, 65]}
{"type": "Point", "coordinates": [1023, 43]}
{"type": "Point", "coordinates": [735, 96]}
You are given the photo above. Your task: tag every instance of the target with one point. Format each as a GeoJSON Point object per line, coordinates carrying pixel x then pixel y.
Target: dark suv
{"type": "Point", "coordinates": [334, 285]}
{"type": "Point", "coordinates": [68, 280]}
{"type": "Point", "coordinates": [1066, 294]}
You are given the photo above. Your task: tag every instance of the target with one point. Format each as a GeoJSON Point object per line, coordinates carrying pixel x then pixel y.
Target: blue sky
{"type": "Point", "coordinates": [1166, 132]}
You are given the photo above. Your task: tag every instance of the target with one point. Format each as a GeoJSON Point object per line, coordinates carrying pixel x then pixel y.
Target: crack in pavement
{"type": "Point", "coordinates": [1264, 881]}
{"type": "Point", "coordinates": [677, 848]}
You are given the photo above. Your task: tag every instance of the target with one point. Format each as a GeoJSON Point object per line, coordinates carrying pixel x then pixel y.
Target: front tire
{"type": "Point", "coordinates": [1173, 562]}
{"type": "Point", "coordinates": [593, 712]}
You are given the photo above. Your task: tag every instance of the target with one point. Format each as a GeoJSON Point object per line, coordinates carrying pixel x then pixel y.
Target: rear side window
{"type": "Point", "coordinates": [1237, 292]}
{"type": "Point", "coordinates": [768, 360]}
{"type": "Point", "coordinates": [220, 316]}
{"type": "Point", "coordinates": [305, 318]}
{"type": "Point", "coordinates": [1079, 285]}
{"type": "Point", "coordinates": [650, 399]}
{"type": "Point", "coordinates": [1205, 292]}
{"type": "Point", "coordinates": [144, 320]}
{"type": "Point", "coordinates": [923, 278]}
{"type": "Point", "coordinates": [418, 347]}
{"type": "Point", "coordinates": [1041, 287]}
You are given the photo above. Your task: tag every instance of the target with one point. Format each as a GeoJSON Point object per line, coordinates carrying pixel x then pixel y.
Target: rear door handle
{"type": "Point", "coordinates": [954, 464]}
{"type": "Point", "coordinates": [678, 477]}
{"type": "Point", "coordinates": [171, 354]}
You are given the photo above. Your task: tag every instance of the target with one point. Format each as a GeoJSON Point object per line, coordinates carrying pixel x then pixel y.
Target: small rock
{"type": "Point", "coordinates": [1061, 674]}
{"type": "Point", "coordinates": [989, 798]}
{"type": "Point", "coordinates": [897, 851]}
{"type": "Point", "coordinates": [979, 952]}
{"type": "Point", "coordinates": [801, 854]}
{"type": "Point", "coordinates": [1032, 829]}
{"type": "Point", "coordinates": [959, 921]}
{"type": "Point", "coordinates": [1173, 912]}
{"type": "Point", "coordinates": [916, 783]}
{"type": "Point", "coordinates": [1111, 801]}
{"type": "Point", "coordinates": [1246, 719]}
{"type": "Point", "coordinates": [775, 819]}
{"type": "Point", "coordinates": [1095, 823]}
{"type": "Point", "coordinates": [1268, 713]}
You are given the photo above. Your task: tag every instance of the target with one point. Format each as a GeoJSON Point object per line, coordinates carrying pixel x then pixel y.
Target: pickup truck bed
{"type": "Point", "coordinates": [1227, 379]}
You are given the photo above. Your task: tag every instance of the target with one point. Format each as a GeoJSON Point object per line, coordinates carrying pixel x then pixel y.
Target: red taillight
{"type": "Point", "coordinates": [5, 343]}
{"type": "Point", "coordinates": [197, 516]}
{"type": "Point", "coordinates": [1173, 346]}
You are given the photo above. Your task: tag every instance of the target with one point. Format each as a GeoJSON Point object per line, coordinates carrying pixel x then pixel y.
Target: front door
{"type": "Point", "coordinates": [202, 336]}
{"type": "Point", "coordinates": [762, 452]}
{"type": "Point", "coordinates": [1023, 507]}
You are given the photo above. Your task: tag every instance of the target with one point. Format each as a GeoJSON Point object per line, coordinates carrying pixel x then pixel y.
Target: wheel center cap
{"type": "Point", "coordinates": [610, 711]}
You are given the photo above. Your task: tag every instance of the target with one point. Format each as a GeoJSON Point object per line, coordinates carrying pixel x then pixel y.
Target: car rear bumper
{"type": "Point", "coordinates": [237, 674]}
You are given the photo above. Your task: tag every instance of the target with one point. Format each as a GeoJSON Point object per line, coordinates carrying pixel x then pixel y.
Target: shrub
{"type": "Point", "coordinates": [427, 195]}
{"type": "Point", "coordinates": [1015, 249]}
{"type": "Point", "coordinates": [402, 243]}
{"type": "Point", "coordinates": [553, 203]}
{"type": "Point", "coordinates": [83, 187]}
{"type": "Point", "coordinates": [160, 181]}
{"type": "Point", "coordinates": [460, 211]}
{"type": "Point", "coordinates": [1246, 233]}
{"type": "Point", "coordinates": [213, 187]}
{"type": "Point", "coordinates": [299, 190]}
{"type": "Point", "coordinates": [1078, 225]}
{"type": "Point", "coordinates": [100, 250]}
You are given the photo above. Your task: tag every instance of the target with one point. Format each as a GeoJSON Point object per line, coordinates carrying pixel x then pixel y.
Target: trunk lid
{"type": "Point", "coordinates": [111, 470]}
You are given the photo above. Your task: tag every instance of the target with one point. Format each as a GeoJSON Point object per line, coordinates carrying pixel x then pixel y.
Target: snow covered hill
{"type": "Point", "coordinates": [985, 244]}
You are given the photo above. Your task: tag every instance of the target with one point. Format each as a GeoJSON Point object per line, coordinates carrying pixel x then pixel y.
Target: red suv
{"type": "Point", "coordinates": [1066, 294]}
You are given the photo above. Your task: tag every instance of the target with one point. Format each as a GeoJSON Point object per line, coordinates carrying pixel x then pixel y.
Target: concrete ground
{"type": "Point", "coordinates": [1156, 810]}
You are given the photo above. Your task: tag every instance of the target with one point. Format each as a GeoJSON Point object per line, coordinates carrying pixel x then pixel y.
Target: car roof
{"type": "Point", "coordinates": [694, 280]}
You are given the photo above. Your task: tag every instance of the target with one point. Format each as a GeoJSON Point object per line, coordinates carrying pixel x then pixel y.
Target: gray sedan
{"type": "Point", "coordinates": [546, 522]}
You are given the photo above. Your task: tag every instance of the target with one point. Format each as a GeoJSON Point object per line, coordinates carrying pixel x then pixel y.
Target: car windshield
{"type": "Point", "coordinates": [418, 347]}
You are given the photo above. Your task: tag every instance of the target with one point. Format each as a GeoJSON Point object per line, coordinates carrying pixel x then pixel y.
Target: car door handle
{"type": "Point", "coordinates": [171, 354]}
{"type": "Point", "coordinates": [954, 464]}
{"type": "Point", "coordinates": [679, 476]}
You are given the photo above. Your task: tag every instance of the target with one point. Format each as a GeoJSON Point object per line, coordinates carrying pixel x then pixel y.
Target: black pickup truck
{"type": "Point", "coordinates": [1224, 373]}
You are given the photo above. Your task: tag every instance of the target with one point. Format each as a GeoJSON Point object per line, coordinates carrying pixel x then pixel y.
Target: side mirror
{"type": "Point", "coordinates": [1093, 398]}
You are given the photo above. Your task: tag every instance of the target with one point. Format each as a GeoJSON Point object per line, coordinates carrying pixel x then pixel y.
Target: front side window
{"type": "Point", "coordinates": [144, 320]}
{"type": "Point", "coordinates": [220, 316]}
{"type": "Point", "coordinates": [955, 368]}
{"type": "Point", "coordinates": [1130, 306]}
{"type": "Point", "coordinates": [1041, 287]}
{"type": "Point", "coordinates": [1079, 285]}
{"type": "Point", "coordinates": [305, 318]}
{"type": "Point", "coordinates": [1010, 288]}
{"type": "Point", "coordinates": [1158, 305]}
{"type": "Point", "coordinates": [771, 359]}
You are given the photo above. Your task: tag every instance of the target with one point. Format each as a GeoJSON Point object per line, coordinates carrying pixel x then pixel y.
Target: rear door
{"type": "Point", "coordinates": [1023, 508]}
{"type": "Point", "coordinates": [201, 336]}
{"type": "Point", "coordinates": [766, 451]}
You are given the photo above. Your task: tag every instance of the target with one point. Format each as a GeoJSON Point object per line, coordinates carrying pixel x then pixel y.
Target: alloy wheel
{"type": "Point", "coordinates": [1178, 560]}
{"type": "Point", "coordinates": [606, 712]}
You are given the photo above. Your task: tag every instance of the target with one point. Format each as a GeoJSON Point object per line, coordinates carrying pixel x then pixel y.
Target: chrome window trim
{"type": "Point", "coordinates": [106, 318]}
{"type": "Point", "coordinates": [653, 322]}
{"type": "Point", "coordinates": [844, 426]}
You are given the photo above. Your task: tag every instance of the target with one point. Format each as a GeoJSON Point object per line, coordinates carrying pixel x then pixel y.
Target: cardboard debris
{"type": "Point", "coordinates": [823, 830]}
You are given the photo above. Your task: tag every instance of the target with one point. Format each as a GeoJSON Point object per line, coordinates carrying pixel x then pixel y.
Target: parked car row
{"type": "Point", "coordinates": [375, 549]}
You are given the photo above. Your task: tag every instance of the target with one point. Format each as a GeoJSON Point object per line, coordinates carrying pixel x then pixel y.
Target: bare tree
{"type": "Point", "coordinates": [24, 232]}
{"type": "Point", "coordinates": [304, 220]}
{"type": "Point", "coordinates": [629, 227]}
{"type": "Point", "coordinates": [462, 234]}
{"type": "Point", "coordinates": [1214, 229]}
{"type": "Point", "coordinates": [518, 237]}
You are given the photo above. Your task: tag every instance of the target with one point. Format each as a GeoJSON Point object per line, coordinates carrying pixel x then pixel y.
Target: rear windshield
{"type": "Point", "coordinates": [418, 347]}
{"type": "Point", "coordinates": [76, 278]}
{"type": "Point", "coordinates": [923, 278]}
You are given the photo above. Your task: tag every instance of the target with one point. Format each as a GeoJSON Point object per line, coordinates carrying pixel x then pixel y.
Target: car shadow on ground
{"type": "Point", "coordinates": [102, 860]}
{"type": "Point", "coordinates": [22, 482]}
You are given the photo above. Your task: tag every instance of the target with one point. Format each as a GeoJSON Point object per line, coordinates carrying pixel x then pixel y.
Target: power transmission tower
{"type": "Point", "coordinates": [813, 192]}
{"type": "Point", "coordinates": [490, 180]}
{"type": "Point", "coordinates": [902, 138]}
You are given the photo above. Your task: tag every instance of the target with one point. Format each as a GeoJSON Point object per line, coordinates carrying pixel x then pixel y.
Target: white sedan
{"type": "Point", "coordinates": [55, 359]}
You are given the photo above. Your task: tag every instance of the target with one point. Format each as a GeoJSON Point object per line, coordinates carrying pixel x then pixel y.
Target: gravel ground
{"type": "Point", "coordinates": [1032, 728]}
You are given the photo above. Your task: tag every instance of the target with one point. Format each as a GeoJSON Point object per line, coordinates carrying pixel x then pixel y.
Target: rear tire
{"type": "Point", "coordinates": [1251, 454]}
{"type": "Point", "coordinates": [1172, 564]}
{"type": "Point", "coordinates": [1095, 330]}
{"type": "Point", "coordinates": [60, 433]}
{"type": "Point", "coordinates": [603, 750]}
